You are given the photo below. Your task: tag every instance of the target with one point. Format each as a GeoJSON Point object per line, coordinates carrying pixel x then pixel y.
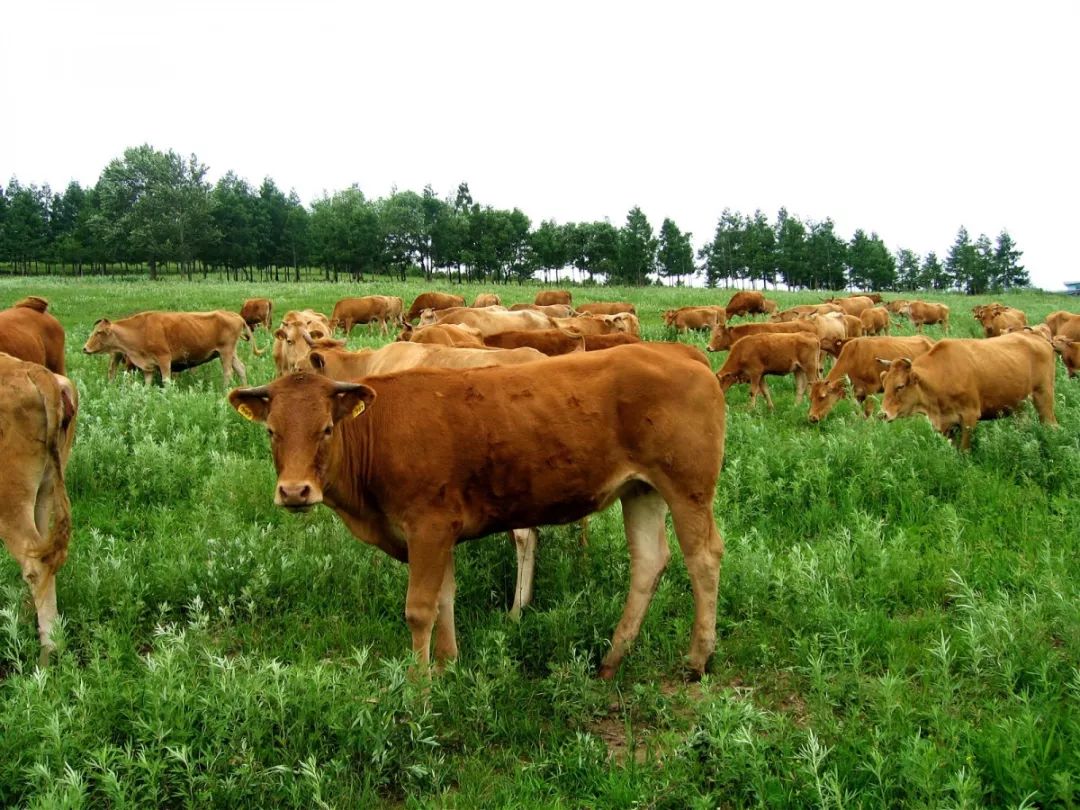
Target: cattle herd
{"type": "Point", "coordinates": [556, 412]}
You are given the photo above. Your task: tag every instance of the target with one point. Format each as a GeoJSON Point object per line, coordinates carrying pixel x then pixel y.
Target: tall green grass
{"type": "Point", "coordinates": [899, 623]}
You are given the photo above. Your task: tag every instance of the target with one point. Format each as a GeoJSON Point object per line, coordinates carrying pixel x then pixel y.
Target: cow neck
{"type": "Point", "coordinates": [348, 469]}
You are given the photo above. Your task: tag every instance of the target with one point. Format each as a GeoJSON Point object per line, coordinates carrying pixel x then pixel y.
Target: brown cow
{"type": "Point", "coordinates": [492, 321]}
{"type": "Point", "coordinates": [922, 313]}
{"type": "Point", "coordinates": [684, 319]}
{"type": "Point", "coordinates": [174, 341]}
{"type": "Point", "coordinates": [749, 303]}
{"type": "Point", "coordinates": [552, 342]}
{"type": "Point", "coordinates": [586, 325]}
{"type": "Point", "coordinates": [854, 304]}
{"type": "Point", "coordinates": [29, 332]}
{"type": "Point", "coordinates": [551, 310]}
{"type": "Point", "coordinates": [754, 356]}
{"type": "Point", "coordinates": [724, 337]}
{"type": "Point", "coordinates": [432, 300]}
{"type": "Point", "coordinates": [443, 334]}
{"type": "Point", "coordinates": [858, 364]}
{"type": "Point", "coordinates": [37, 415]}
{"type": "Point", "coordinates": [1064, 323]}
{"type": "Point", "coordinates": [805, 311]}
{"type": "Point", "coordinates": [852, 326]}
{"type": "Point", "coordinates": [546, 297]}
{"type": "Point", "coordinates": [832, 331]}
{"type": "Point", "coordinates": [1069, 350]}
{"type": "Point", "coordinates": [998, 319]}
{"type": "Point", "coordinates": [959, 382]}
{"type": "Point", "coordinates": [875, 321]}
{"type": "Point", "coordinates": [369, 309]}
{"type": "Point", "coordinates": [487, 300]}
{"type": "Point", "coordinates": [292, 340]}
{"type": "Point", "coordinates": [341, 364]}
{"type": "Point", "coordinates": [607, 308]}
{"type": "Point", "coordinates": [257, 312]}
{"type": "Point", "coordinates": [594, 343]}
{"type": "Point", "coordinates": [897, 307]}
{"type": "Point", "coordinates": [646, 432]}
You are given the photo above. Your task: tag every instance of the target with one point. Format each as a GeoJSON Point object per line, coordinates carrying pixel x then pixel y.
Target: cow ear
{"type": "Point", "coordinates": [280, 334]}
{"type": "Point", "coordinates": [251, 403]}
{"type": "Point", "coordinates": [317, 334]}
{"type": "Point", "coordinates": [351, 399]}
{"type": "Point", "coordinates": [318, 362]}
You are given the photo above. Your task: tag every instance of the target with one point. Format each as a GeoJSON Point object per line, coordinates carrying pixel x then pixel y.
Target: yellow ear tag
{"type": "Point", "coordinates": [246, 412]}
{"type": "Point", "coordinates": [359, 409]}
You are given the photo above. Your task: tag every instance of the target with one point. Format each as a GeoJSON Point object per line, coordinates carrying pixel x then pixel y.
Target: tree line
{"type": "Point", "coordinates": [156, 211]}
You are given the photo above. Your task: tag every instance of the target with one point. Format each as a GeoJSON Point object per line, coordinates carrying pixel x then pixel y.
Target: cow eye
{"type": "Point", "coordinates": [289, 342]}
{"type": "Point", "coordinates": [901, 386]}
{"type": "Point", "coordinates": [328, 430]}
{"type": "Point", "coordinates": [270, 433]}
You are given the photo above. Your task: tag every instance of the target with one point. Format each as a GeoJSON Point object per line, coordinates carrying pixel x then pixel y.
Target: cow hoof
{"type": "Point", "coordinates": [606, 672]}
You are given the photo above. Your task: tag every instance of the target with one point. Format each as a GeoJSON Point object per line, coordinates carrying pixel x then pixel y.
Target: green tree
{"type": "Point", "coordinates": [908, 273]}
{"type": "Point", "coordinates": [1008, 272]}
{"type": "Point", "coordinates": [549, 247]}
{"type": "Point", "coordinates": [870, 265]}
{"type": "Point", "coordinates": [826, 257]}
{"type": "Point", "coordinates": [759, 250]}
{"type": "Point", "coordinates": [675, 253]}
{"type": "Point", "coordinates": [791, 250]}
{"type": "Point", "coordinates": [345, 234]}
{"type": "Point", "coordinates": [637, 251]}
{"type": "Point", "coordinates": [958, 262]}
{"type": "Point", "coordinates": [722, 257]}
{"type": "Point", "coordinates": [933, 275]}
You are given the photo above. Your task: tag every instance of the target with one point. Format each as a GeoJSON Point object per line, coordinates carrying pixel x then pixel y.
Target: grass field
{"type": "Point", "coordinates": [899, 624]}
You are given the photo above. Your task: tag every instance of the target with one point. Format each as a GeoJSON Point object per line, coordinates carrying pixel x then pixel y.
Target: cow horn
{"type": "Point", "coordinates": [263, 392]}
{"type": "Point", "coordinates": [307, 337]}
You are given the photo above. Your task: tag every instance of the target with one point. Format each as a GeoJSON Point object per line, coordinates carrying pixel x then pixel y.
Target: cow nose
{"type": "Point", "coordinates": [85, 350]}
{"type": "Point", "coordinates": [814, 419]}
{"type": "Point", "coordinates": [295, 494]}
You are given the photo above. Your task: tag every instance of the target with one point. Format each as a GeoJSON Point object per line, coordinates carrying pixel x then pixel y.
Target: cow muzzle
{"type": "Point", "coordinates": [298, 496]}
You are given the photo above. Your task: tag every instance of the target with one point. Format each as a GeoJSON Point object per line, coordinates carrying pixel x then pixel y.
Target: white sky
{"type": "Point", "coordinates": [908, 119]}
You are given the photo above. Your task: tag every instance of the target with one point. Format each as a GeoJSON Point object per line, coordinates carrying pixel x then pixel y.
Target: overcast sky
{"type": "Point", "coordinates": [908, 120]}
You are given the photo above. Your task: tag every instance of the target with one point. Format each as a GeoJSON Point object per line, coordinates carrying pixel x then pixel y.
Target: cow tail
{"type": "Point", "coordinates": [249, 335]}
{"type": "Point", "coordinates": [56, 420]}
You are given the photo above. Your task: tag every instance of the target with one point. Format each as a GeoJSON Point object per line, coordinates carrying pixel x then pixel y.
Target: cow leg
{"type": "Point", "coordinates": [766, 392]}
{"type": "Point", "coordinates": [525, 544]}
{"type": "Point", "coordinates": [230, 361]}
{"type": "Point", "coordinates": [445, 632]}
{"type": "Point", "coordinates": [800, 384]}
{"type": "Point", "coordinates": [1043, 397]}
{"type": "Point", "coordinates": [164, 363]}
{"type": "Point", "coordinates": [114, 361]}
{"type": "Point", "coordinates": [428, 561]}
{"type": "Point", "coordinates": [28, 546]}
{"type": "Point", "coordinates": [703, 549]}
{"type": "Point", "coordinates": [643, 518]}
{"type": "Point", "coordinates": [583, 540]}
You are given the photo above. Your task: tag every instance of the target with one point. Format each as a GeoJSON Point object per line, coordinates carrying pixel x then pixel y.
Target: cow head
{"type": "Point", "coordinates": [101, 339]}
{"type": "Point", "coordinates": [832, 345]}
{"type": "Point", "coordinates": [902, 388]}
{"type": "Point", "coordinates": [427, 316]}
{"type": "Point", "coordinates": [824, 394]}
{"type": "Point", "coordinates": [720, 339]}
{"type": "Point", "coordinates": [730, 378]}
{"type": "Point", "coordinates": [302, 414]}
{"type": "Point", "coordinates": [406, 332]}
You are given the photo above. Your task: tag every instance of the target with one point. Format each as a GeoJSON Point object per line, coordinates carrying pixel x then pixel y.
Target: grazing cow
{"type": "Point", "coordinates": [959, 382]}
{"type": "Point", "coordinates": [898, 306]}
{"type": "Point", "coordinates": [257, 312]}
{"type": "Point", "coordinates": [492, 321]}
{"type": "Point", "coordinates": [37, 427]}
{"type": "Point", "coordinates": [684, 319]}
{"type": "Point", "coordinates": [754, 356]}
{"type": "Point", "coordinates": [859, 364]}
{"type": "Point", "coordinates": [29, 332]}
{"type": "Point", "coordinates": [1069, 350]}
{"type": "Point", "coordinates": [341, 364]}
{"type": "Point", "coordinates": [547, 297]}
{"type": "Point", "coordinates": [432, 300]}
{"type": "Point", "coordinates": [805, 311]}
{"type": "Point", "coordinates": [875, 321]}
{"type": "Point", "coordinates": [551, 310]}
{"type": "Point", "coordinates": [487, 300]}
{"type": "Point", "coordinates": [443, 334]}
{"type": "Point", "coordinates": [607, 308]}
{"type": "Point", "coordinates": [749, 303]}
{"type": "Point", "coordinates": [852, 326]}
{"type": "Point", "coordinates": [854, 304]}
{"type": "Point", "coordinates": [1063, 323]}
{"type": "Point", "coordinates": [174, 341]}
{"type": "Point", "coordinates": [368, 309]}
{"type": "Point", "coordinates": [724, 337]}
{"type": "Point", "coordinates": [649, 433]}
{"type": "Point", "coordinates": [923, 313]}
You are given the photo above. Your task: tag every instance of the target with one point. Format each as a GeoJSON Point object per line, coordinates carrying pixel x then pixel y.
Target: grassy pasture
{"type": "Point", "coordinates": [899, 624]}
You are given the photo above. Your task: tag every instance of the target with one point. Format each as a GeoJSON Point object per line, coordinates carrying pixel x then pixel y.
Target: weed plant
{"type": "Point", "coordinates": [899, 622]}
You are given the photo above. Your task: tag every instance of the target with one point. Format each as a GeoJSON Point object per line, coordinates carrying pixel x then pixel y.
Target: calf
{"type": "Point", "coordinates": [369, 309]}
{"type": "Point", "coordinates": [443, 334]}
{"type": "Point", "coordinates": [257, 312]}
{"type": "Point", "coordinates": [607, 308]}
{"type": "Point", "coordinates": [923, 313]}
{"type": "Point", "coordinates": [959, 382]}
{"type": "Point", "coordinates": [684, 319]}
{"type": "Point", "coordinates": [724, 337]}
{"type": "Point", "coordinates": [853, 304]}
{"type": "Point", "coordinates": [754, 356]}
{"type": "Point", "coordinates": [875, 321]}
{"type": "Point", "coordinates": [858, 363]}
{"type": "Point", "coordinates": [546, 297]}
{"type": "Point", "coordinates": [749, 303]}
{"type": "Point", "coordinates": [631, 428]}
{"type": "Point", "coordinates": [37, 417]}
{"type": "Point", "coordinates": [487, 300]}
{"type": "Point", "coordinates": [432, 300]}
